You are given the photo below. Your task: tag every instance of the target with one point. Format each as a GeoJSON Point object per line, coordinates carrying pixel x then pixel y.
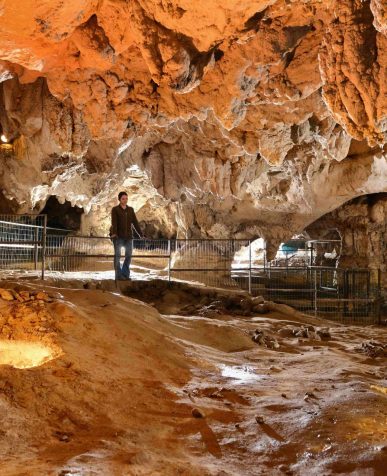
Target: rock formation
{"type": "Point", "coordinates": [244, 119]}
{"type": "Point", "coordinates": [361, 224]}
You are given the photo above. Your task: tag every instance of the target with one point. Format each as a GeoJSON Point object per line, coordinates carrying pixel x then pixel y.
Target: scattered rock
{"type": "Point", "coordinates": [262, 339]}
{"type": "Point", "coordinates": [261, 308]}
{"type": "Point", "coordinates": [309, 395]}
{"type": "Point", "coordinates": [196, 413]}
{"type": "Point", "coordinates": [257, 300]}
{"type": "Point", "coordinates": [324, 333]}
{"type": "Point", "coordinates": [6, 295]}
{"type": "Point", "coordinates": [42, 296]}
{"type": "Point", "coordinates": [17, 296]}
{"type": "Point", "coordinates": [272, 368]}
{"type": "Point", "coordinates": [25, 295]}
{"type": "Point", "coordinates": [61, 436]}
{"type": "Point", "coordinates": [301, 332]}
{"type": "Point", "coordinates": [211, 310]}
{"type": "Point", "coordinates": [373, 349]}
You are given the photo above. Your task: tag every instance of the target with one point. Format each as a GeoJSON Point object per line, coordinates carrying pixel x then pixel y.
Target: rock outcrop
{"type": "Point", "coordinates": [362, 226]}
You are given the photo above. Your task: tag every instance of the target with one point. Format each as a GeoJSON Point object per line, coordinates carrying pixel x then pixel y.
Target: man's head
{"type": "Point", "coordinates": [123, 198]}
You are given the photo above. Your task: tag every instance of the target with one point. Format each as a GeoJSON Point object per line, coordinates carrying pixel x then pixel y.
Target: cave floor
{"type": "Point", "coordinates": [130, 381]}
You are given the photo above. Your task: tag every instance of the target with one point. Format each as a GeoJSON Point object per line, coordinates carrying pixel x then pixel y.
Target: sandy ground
{"type": "Point", "coordinates": [152, 380]}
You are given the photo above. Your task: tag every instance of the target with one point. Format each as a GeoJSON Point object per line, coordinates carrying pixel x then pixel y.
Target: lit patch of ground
{"type": "Point", "coordinates": [25, 355]}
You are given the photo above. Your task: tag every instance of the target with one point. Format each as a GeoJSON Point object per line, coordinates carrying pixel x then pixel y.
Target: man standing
{"type": "Point", "coordinates": [123, 220]}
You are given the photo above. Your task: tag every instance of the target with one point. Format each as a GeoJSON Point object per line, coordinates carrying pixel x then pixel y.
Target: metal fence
{"type": "Point", "coordinates": [349, 295]}
{"type": "Point", "coordinates": [23, 241]}
{"type": "Point", "coordinates": [342, 294]}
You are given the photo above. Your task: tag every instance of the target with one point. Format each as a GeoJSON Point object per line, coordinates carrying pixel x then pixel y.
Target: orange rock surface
{"type": "Point", "coordinates": [231, 117]}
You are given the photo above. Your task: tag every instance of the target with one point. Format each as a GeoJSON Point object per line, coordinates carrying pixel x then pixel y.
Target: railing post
{"type": "Point", "coordinates": [315, 293]}
{"type": "Point", "coordinates": [44, 236]}
{"type": "Point", "coordinates": [379, 298]}
{"type": "Point", "coordinates": [249, 266]}
{"type": "Point", "coordinates": [169, 260]}
{"type": "Point", "coordinates": [36, 247]}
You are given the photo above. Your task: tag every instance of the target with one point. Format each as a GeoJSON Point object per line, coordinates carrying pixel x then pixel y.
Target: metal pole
{"type": "Point", "coordinates": [36, 248]}
{"type": "Point", "coordinates": [169, 260]}
{"type": "Point", "coordinates": [315, 292]}
{"type": "Point", "coordinates": [379, 298]}
{"type": "Point", "coordinates": [44, 236]}
{"type": "Point", "coordinates": [249, 266]}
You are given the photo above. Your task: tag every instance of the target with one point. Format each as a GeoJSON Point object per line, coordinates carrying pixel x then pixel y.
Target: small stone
{"type": "Point", "coordinates": [6, 295]}
{"type": "Point", "coordinates": [25, 295]}
{"type": "Point", "coordinates": [196, 413]}
{"type": "Point", "coordinates": [261, 308]}
{"type": "Point", "coordinates": [17, 296]}
{"type": "Point", "coordinates": [324, 333]}
{"type": "Point", "coordinates": [260, 420]}
{"type": "Point", "coordinates": [259, 337]}
{"type": "Point", "coordinates": [62, 436]}
{"type": "Point", "coordinates": [258, 300]}
{"type": "Point", "coordinates": [283, 395]}
{"type": "Point", "coordinates": [42, 296]}
{"type": "Point", "coordinates": [301, 332]}
{"type": "Point", "coordinates": [309, 395]}
{"type": "Point", "coordinates": [275, 369]}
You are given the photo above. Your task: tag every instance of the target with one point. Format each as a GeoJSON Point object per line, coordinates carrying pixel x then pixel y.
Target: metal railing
{"type": "Point", "coordinates": [350, 295]}
{"type": "Point", "coordinates": [343, 294]}
{"type": "Point", "coordinates": [23, 241]}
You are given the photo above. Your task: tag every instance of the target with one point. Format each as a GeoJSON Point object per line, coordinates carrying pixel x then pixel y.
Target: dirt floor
{"type": "Point", "coordinates": [156, 380]}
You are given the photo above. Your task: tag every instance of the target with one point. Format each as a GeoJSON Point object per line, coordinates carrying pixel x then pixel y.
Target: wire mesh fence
{"type": "Point", "coordinates": [348, 295]}
{"type": "Point", "coordinates": [23, 240]}
{"type": "Point", "coordinates": [210, 262]}
{"type": "Point", "coordinates": [344, 295]}
{"type": "Point", "coordinates": [96, 254]}
{"type": "Point", "coordinates": [288, 285]}
{"type": "Point", "coordinates": [19, 240]}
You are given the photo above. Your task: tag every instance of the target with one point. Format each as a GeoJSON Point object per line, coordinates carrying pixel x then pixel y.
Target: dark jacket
{"type": "Point", "coordinates": [122, 221]}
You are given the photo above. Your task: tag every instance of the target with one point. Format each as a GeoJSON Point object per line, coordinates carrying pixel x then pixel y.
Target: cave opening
{"type": "Point", "coordinates": [62, 215]}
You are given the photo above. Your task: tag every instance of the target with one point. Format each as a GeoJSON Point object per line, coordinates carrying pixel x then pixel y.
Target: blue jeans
{"type": "Point", "coordinates": [124, 271]}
